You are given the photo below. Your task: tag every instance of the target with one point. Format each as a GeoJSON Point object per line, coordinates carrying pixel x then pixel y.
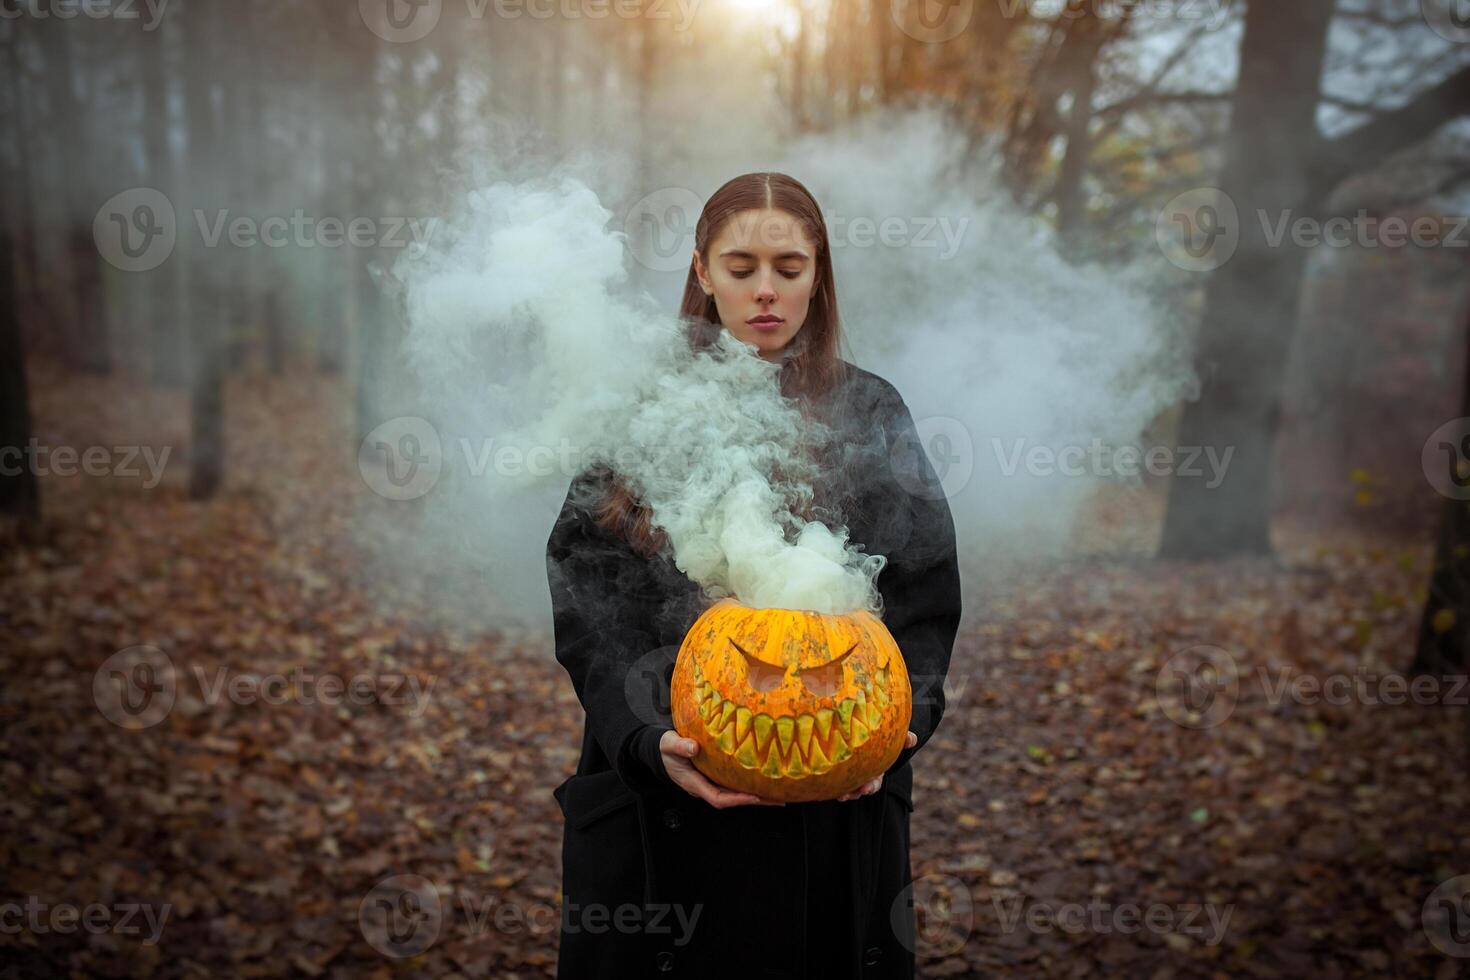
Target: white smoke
{"type": "Point", "coordinates": [1000, 347]}
{"type": "Point", "coordinates": [526, 332]}
{"type": "Point", "coordinates": [520, 325]}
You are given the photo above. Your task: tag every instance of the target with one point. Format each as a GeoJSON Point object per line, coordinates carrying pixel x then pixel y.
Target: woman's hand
{"type": "Point", "coordinates": [876, 783]}
{"type": "Point", "coordinates": [677, 751]}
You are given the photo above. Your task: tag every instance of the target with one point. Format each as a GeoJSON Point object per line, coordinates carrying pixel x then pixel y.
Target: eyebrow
{"type": "Point", "coordinates": [736, 253]}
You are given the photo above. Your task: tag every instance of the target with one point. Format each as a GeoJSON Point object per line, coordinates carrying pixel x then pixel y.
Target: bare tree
{"type": "Point", "coordinates": [1277, 162]}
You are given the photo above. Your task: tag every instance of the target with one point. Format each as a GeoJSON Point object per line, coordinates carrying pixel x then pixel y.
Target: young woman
{"type": "Point", "coordinates": [664, 873]}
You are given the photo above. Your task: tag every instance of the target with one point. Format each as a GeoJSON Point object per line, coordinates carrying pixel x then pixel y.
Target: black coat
{"type": "Point", "coordinates": [657, 883]}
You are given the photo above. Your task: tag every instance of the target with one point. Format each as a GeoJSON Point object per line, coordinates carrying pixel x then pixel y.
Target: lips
{"type": "Point", "coordinates": [792, 746]}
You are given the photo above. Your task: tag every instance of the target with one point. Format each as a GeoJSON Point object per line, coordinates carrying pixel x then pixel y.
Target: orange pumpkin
{"type": "Point", "coordinates": [789, 704]}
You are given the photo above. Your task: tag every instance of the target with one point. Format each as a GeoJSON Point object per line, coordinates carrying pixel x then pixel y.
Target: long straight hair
{"type": "Point", "coordinates": [812, 368]}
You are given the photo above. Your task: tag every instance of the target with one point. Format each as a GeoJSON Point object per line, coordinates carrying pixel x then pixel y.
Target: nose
{"type": "Point", "coordinates": [767, 291]}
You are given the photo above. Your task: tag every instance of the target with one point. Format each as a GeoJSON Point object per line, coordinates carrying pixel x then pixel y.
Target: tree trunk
{"type": "Point", "coordinates": [1084, 43]}
{"type": "Point", "coordinates": [18, 493]}
{"type": "Point", "coordinates": [80, 279]}
{"type": "Point", "coordinates": [1251, 301]}
{"type": "Point", "coordinates": [1444, 631]}
{"type": "Point", "coordinates": [167, 339]}
{"type": "Point", "coordinates": [207, 363]}
{"type": "Point", "coordinates": [29, 301]}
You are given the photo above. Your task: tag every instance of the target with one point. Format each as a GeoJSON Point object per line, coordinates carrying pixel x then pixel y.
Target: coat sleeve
{"type": "Point", "coordinates": [600, 636]}
{"type": "Point", "coordinates": [920, 584]}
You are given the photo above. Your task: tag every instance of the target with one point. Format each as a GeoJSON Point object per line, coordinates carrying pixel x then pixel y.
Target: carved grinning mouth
{"type": "Point", "coordinates": [793, 746]}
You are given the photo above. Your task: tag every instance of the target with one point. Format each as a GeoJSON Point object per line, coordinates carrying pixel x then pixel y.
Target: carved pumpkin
{"type": "Point", "coordinates": [791, 705]}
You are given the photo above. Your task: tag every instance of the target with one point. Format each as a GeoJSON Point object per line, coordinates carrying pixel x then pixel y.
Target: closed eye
{"type": "Point", "coordinates": [759, 674]}
{"type": "Point", "coordinates": [826, 679]}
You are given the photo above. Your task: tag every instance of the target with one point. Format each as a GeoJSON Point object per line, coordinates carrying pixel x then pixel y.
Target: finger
{"type": "Point", "coordinates": [910, 740]}
{"type": "Point", "coordinates": [718, 796]}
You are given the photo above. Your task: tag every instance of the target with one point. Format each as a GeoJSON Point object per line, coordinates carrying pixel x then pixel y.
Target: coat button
{"type": "Point", "coordinates": [872, 956]}
{"type": "Point", "coordinates": [665, 961]}
{"type": "Point", "coordinates": [673, 820]}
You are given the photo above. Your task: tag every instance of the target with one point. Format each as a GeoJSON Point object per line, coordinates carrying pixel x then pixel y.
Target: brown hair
{"type": "Point", "coordinates": [813, 367]}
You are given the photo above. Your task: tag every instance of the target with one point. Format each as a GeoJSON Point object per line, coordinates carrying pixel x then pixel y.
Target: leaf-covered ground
{"type": "Point", "coordinates": [1073, 818]}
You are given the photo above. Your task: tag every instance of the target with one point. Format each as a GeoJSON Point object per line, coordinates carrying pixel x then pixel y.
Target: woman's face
{"type": "Point", "coordinates": [761, 272]}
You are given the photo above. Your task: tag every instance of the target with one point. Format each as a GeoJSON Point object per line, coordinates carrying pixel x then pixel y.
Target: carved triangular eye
{"type": "Point", "coordinates": [761, 675]}
{"type": "Point", "coordinates": [826, 679]}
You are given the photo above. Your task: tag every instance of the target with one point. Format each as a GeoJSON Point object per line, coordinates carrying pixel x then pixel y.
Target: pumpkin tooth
{"type": "Point", "coordinates": [795, 768]}
{"type": "Point", "coordinates": [859, 731]}
{"type": "Point", "coordinates": [764, 726]}
{"type": "Point", "coordinates": [881, 676]}
{"type": "Point", "coordinates": [727, 711]}
{"type": "Point", "coordinates": [726, 740]}
{"type": "Point", "coordinates": [844, 715]}
{"type": "Point", "coordinates": [772, 767]}
{"type": "Point", "coordinates": [785, 732]}
{"type": "Point", "coordinates": [862, 697]}
{"type": "Point", "coordinates": [819, 761]}
{"type": "Point", "coordinates": [742, 723]}
{"type": "Point", "coordinates": [745, 755]}
{"type": "Point", "coordinates": [840, 751]}
{"type": "Point", "coordinates": [804, 726]}
{"type": "Point", "coordinates": [880, 695]}
{"type": "Point", "coordinates": [824, 723]}
{"type": "Point", "coordinates": [875, 717]}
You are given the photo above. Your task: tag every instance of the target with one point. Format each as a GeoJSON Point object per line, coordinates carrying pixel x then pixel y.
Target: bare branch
{"type": "Point", "coordinates": [1395, 130]}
